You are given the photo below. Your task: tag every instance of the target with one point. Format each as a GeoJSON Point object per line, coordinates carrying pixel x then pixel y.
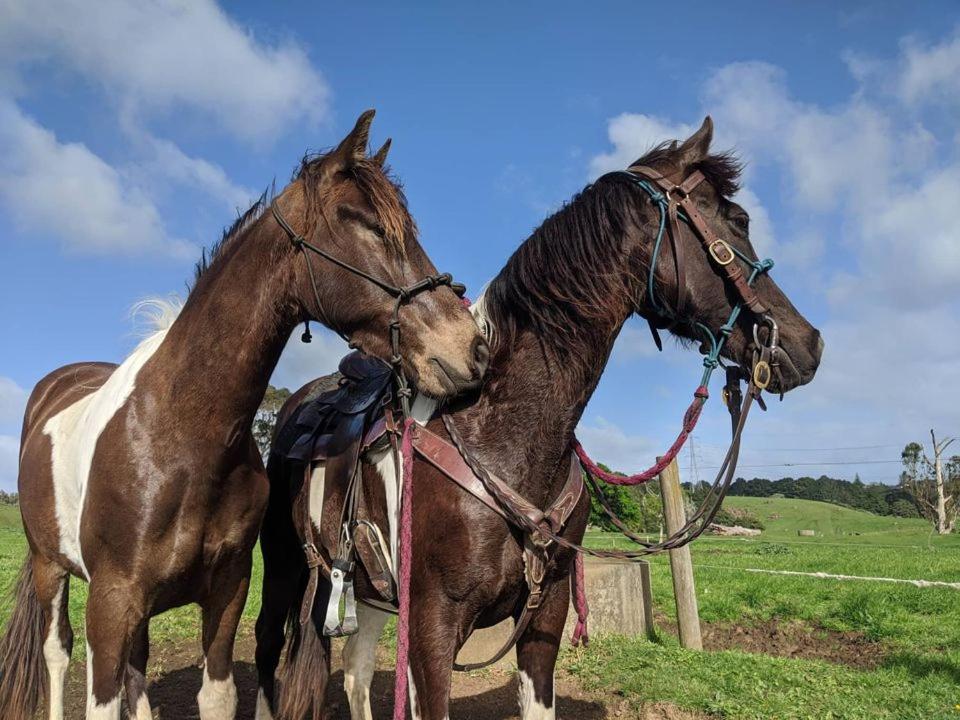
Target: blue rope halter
{"type": "Point", "coordinates": [711, 359]}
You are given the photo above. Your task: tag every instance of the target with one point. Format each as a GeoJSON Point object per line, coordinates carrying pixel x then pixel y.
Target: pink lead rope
{"type": "Point", "coordinates": [400, 693]}
{"type": "Point", "coordinates": [689, 422]}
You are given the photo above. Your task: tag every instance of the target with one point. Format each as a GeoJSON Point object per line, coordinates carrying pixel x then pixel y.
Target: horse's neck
{"type": "Point", "coordinates": [524, 420]}
{"type": "Point", "coordinates": [222, 349]}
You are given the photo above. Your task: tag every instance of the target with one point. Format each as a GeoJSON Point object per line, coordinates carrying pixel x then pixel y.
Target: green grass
{"type": "Point", "coordinates": [920, 627]}
{"type": "Point", "coordinates": [173, 625]}
{"type": "Point", "coordinates": [742, 686]}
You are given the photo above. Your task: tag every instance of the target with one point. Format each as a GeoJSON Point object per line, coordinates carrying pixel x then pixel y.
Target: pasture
{"type": "Point", "coordinates": [818, 648]}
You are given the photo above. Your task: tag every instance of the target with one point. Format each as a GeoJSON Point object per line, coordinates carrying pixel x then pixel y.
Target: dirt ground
{"type": "Point", "coordinates": [789, 640]}
{"type": "Point", "coordinates": [175, 677]}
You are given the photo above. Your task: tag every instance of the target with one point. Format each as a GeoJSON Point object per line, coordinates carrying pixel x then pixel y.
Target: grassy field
{"type": "Point", "coordinates": [917, 630]}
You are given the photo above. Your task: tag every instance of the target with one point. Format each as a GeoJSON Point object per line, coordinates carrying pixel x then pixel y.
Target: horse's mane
{"type": "Point", "coordinates": [382, 190]}
{"type": "Point", "coordinates": [558, 282]}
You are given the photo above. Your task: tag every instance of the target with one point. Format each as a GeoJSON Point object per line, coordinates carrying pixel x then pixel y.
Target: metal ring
{"type": "Point", "coordinates": [761, 374]}
{"type": "Point", "coordinates": [726, 247]}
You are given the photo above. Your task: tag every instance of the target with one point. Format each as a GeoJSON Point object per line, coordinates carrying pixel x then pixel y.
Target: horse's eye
{"type": "Point", "coordinates": [742, 222]}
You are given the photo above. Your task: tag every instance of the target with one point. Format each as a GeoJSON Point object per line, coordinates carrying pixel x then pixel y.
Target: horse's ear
{"type": "Point", "coordinates": [381, 157]}
{"type": "Point", "coordinates": [696, 147]}
{"type": "Point", "coordinates": [353, 148]}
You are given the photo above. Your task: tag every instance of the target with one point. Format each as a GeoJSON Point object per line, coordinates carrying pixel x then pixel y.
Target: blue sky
{"type": "Point", "coordinates": [129, 136]}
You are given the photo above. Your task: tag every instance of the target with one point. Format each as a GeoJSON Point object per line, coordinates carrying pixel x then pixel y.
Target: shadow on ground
{"type": "Point", "coordinates": [174, 696]}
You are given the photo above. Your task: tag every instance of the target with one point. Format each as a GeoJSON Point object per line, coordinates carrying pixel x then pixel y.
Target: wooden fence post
{"type": "Point", "coordinates": [681, 567]}
{"type": "Point", "coordinates": [646, 595]}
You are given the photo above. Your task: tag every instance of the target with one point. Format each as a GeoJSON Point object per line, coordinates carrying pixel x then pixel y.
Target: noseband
{"type": "Point", "coordinates": [403, 295]}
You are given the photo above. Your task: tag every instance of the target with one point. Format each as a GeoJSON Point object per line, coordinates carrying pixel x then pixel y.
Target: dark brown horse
{"type": "Point", "coordinates": [143, 478]}
{"type": "Point", "coordinates": [552, 316]}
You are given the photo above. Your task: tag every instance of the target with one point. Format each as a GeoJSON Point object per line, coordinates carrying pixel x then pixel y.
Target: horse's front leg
{"type": "Point", "coordinates": [221, 615]}
{"type": "Point", "coordinates": [537, 653]}
{"type": "Point", "coordinates": [434, 628]}
{"type": "Point", "coordinates": [360, 660]}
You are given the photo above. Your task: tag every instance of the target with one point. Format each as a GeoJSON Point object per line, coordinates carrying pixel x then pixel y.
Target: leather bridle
{"type": "Point", "coordinates": [403, 295]}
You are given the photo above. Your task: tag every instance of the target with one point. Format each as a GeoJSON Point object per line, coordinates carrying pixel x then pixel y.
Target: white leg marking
{"type": "Point", "coordinates": [143, 708]}
{"type": "Point", "coordinates": [530, 707]}
{"type": "Point", "coordinates": [263, 707]}
{"type": "Point", "coordinates": [359, 660]}
{"type": "Point", "coordinates": [412, 690]}
{"type": "Point", "coordinates": [143, 711]}
{"type": "Point", "coordinates": [73, 436]}
{"type": "Point", "coordinates": [108, 711]}
{"type": "Point", "coordinates": [56, 657]}
{"type": "Point", "coordinates": [217, 698]}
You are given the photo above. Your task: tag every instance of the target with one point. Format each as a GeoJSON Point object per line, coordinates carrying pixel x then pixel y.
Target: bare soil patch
{"type": "Point", "coordinates": [175, 678]}
{"type": "Point", "coordinates": [790, 640]}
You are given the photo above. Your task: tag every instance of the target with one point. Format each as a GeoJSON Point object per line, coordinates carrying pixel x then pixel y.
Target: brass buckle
{"type": "Point", "coordinates": [718, 243]}
{"type": "Point", "coordinates": [761, 375]}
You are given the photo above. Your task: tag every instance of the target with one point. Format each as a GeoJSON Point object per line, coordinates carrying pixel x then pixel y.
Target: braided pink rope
{"type": "Point", "coordinates": [579, 588]}
{"type": "Point", "coordinates": [689, 422]}
{"type": "Point", "coordinates": [406, 540]}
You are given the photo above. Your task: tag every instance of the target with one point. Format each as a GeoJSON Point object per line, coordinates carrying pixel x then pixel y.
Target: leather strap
{"type": "Point", "coordinates": [537, 553]}
{"type": "Point", "coordinates": [314, 558]}
{"type": "Point", "coordinates": [679, 195]}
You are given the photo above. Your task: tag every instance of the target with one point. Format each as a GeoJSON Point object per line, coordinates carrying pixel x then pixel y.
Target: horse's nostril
{"type": "Point", "coordinates": [481, 356]}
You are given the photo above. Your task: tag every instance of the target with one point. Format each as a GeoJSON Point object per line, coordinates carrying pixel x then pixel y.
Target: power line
{"type": "Point", "coordinates": [825, 449]}
{"type": "Point", "coordinates": [814, 464]}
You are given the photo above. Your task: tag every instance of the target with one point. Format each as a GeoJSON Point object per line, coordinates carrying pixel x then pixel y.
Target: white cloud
{"type": "Point", "coordinates": [632, 135]}
{"type": "Point", "coordinates": [866, 212]}
{"type": "Point", "coordinates": [302, 362]}
{"type": "Point", "coordinates": [929, 73]}
{"type": "Point", "coordinates": [167, 56]}
{"type": "Point", "coordinates": [9, 462]}
{"type": "Point", "coordinates": [13, 401]}
{"type": "Point", "coordinates": [163, 162]}
{"type": "Point", "coordinates": [64, 189]}
{"type": "Point", "coordinates": [613, 447]}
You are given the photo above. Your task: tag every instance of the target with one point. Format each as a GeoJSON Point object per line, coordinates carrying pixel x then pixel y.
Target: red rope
{"type": "Point", "coordinates": [400, 694]}
{"type": "Point", "coordinates": [689, 422]}
{"type": "Point", "coordinates": [579, 589]}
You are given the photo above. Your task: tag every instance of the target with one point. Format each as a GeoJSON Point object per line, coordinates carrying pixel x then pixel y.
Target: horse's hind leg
{"type": "Point", "coordinates": [52, 584]}
{"type": "Point", "coordinates": [537, 653]}
{"type": "Point", "coordinates": [221, 615]}
{"type": "Point", "coordinates": [360, 658]}
{"type": "Point", "coordinates": [138, 704]}
{"type": "Point", "coordinates": [283, 568]}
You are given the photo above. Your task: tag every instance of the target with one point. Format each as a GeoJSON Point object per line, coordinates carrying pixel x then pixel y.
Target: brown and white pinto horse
{"type": "Point", "coordinates": [552, 316]}
{"type": "Point", "coordinates": [143, 478]}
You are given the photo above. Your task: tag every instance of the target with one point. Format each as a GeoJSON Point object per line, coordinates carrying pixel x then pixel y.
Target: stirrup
{"type": "Point", "coordinates": [341, 616]}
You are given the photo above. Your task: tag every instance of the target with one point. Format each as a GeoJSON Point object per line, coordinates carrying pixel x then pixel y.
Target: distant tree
{"type": "Point", "coordinates": [266, 417]}
{"type": "Point", "coordinates": [932, 484]}
{"type": "Point", "coordinates": [904, 508]}
{"type": "Point", "coordinates": [8, 498]}
{"type": "Point", "coordinates": [639, 507]}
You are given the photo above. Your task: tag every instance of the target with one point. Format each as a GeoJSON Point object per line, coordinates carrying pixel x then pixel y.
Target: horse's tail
{"type": "Point", "coordinates": [306, 669]}
{"type": "Point", "coordinates": [23, 672]}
